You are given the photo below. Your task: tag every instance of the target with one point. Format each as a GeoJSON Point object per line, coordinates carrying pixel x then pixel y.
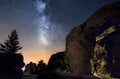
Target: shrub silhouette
{"type": "Point", "coordinates": [30, 68]}
{"type": "Point", "coordinates": [41, 66]}
{"type": "Point", "coordinates": [33, 68]}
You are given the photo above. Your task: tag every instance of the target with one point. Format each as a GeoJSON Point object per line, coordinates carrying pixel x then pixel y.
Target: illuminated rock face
{"type": "Point", "coordinates": [78, 51]}
{"type": "Point", "coordinates": [104, 47]}
{"type": "Point", "coordinates": [100, 30]}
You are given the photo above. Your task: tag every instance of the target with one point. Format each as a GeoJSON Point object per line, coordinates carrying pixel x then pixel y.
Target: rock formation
{"type": "Point", "coordinates": [58, 62]}
{"type": "Point", "coordinates": [101, 30]}
{"type": "Point", "coordinates": [11, 65]}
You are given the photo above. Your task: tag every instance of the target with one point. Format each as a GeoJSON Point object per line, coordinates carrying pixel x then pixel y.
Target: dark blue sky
{"type": "Point", "coordinates": [42, 25]}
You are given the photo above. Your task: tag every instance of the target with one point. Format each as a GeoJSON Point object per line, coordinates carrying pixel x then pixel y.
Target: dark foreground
{"type": "Point", "coordinates": [53, 75]}
{"type": "Point", "coordinates": [29, 77]}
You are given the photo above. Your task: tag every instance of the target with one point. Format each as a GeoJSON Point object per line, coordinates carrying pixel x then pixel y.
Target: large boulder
{"type": "Point", "coordinates": [11, 65]}
{"type": "Point", "coordinates": [82, 40]}
{"type": "Point", "coordinates": [58, 62]}
{"type": "Point", "coordinates": [9, 62]}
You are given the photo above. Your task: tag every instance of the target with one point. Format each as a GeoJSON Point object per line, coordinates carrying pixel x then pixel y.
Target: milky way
{"type": "Point", "coordinates": [48, 32]}
{"type": "Point", "coordinates": [43, 25]}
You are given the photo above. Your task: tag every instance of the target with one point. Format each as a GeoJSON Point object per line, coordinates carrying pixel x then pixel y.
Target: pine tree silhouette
{"type": "Point", "coordinates": [11, 45]}
{"type": "Point", "coordinates": [11, 62]}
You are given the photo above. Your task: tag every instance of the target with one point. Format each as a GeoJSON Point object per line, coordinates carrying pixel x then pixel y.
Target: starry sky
{"type": "Point", "coordinates": [42, 25]}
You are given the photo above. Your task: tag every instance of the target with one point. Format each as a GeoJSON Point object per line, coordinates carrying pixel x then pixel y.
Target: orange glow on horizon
{"type": "Point", "coordinates": [35, 57]}
{"type": "Point", "coordinates": [35, 54]}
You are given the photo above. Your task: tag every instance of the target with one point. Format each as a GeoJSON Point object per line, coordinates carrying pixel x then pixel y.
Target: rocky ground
{"type": "Point", "coordinates": [29, 77]}
{"type": "Point", "coordinates": [53, 75]}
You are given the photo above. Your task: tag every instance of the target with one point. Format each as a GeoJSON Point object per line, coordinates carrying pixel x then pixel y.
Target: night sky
{"type": "Point", "coordinates": [42, 25]}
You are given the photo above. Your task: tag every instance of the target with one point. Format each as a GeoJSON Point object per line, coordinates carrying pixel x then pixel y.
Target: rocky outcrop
{"type": "Point", "coordinates": [10, 62]}
{"type": "Point", "coordinates": [11, 65]}
{"type": "Point", "coordinates": [58, 62]}
{"type": "Point", "coordinates": [102, 29]}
